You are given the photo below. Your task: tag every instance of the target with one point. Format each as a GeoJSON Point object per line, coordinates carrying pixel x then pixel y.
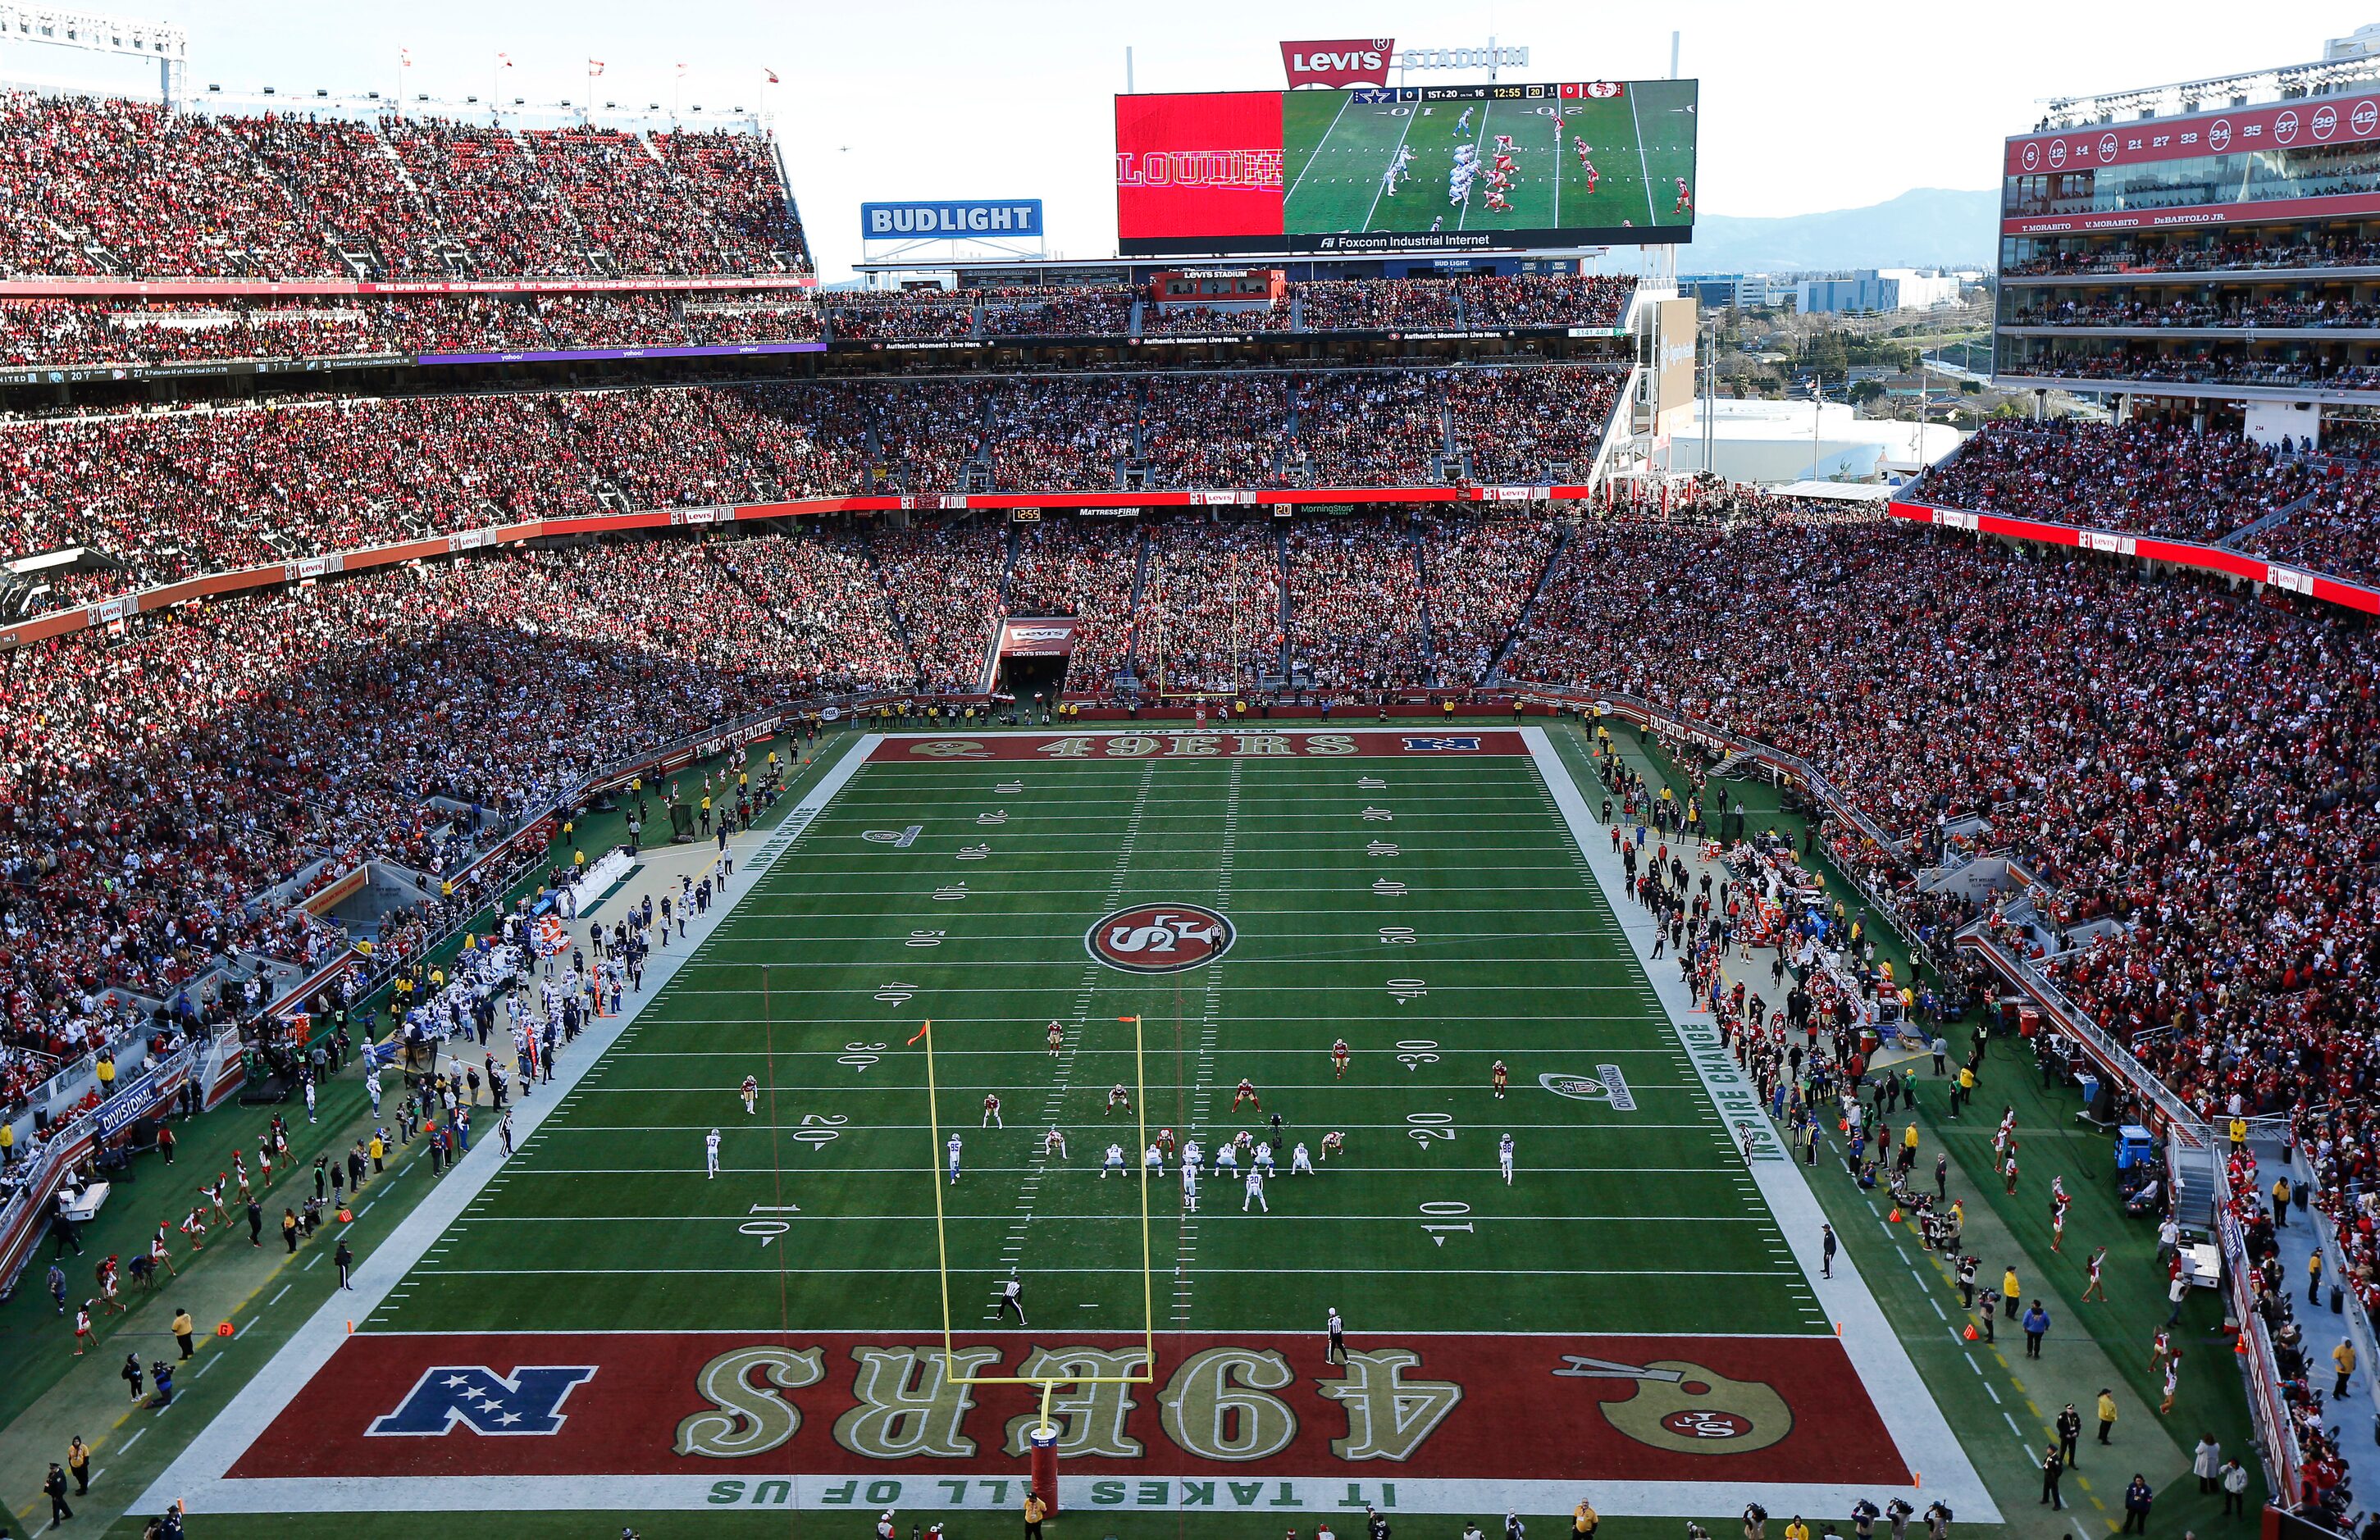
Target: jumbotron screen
{"type": "Point", "coordinates": [1406, 168]}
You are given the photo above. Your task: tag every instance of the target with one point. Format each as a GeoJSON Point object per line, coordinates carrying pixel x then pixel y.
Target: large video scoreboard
{"type": "Point", "coordinates": [1386, 169]}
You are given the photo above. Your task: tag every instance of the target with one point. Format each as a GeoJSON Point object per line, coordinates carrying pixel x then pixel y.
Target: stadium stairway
{"type": "Point", "coordinates": [1281, 560]}
{"type": "Point", "coordinates": [1015, 544]}
{"type": "Point", "coordinates": [1428, 628]}
{"type": "Point", "coordinates": [1528, 606]}
{"type": "Point", "coordinates": [2279, 517]}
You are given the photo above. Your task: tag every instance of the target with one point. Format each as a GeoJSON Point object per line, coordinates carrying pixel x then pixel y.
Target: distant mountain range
{"type": "Point", "coordinates": [1923, 227]}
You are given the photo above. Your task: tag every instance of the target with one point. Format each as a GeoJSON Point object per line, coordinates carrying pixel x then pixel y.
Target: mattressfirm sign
{"type": "Point", "coordinates": [951, 219]}
{"type": "Point", "coordinates": [1339, 62]}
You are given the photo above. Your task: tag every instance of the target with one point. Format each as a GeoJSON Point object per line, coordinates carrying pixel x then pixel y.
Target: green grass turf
{"type": "Point", "coordinates": [1338, 149]}
{"type": "Point", "coordinates": [2212, 1398]}
{"type": "Point", "coordinates": [842, 902]}
{"type": "Point", "coordinates": [606, 1218]}
{"type": "Point", "coordinates": [32, 1357]}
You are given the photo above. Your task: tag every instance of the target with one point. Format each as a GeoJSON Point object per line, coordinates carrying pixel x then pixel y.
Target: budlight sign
{"type": "Point", "coordinates": [951, 219]}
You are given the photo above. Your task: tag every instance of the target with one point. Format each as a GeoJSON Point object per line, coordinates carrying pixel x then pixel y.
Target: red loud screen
{"type": "Point", "coordinates": [1199, 165]}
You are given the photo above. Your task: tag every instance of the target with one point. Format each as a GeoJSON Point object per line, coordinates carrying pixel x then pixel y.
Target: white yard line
{"type": "Point", "coordinates": [196, 1475]}
{"type": "Point", "coordinates": [1918, 1428]}
{"type": "Point", "coordinates": [1284, 203]}
{"type": "Point", "coordinates": [1070, 1052]}
{"type": "Point", "coordinates": [1644, 164]}
{"type": "Point", "coordinates": [1486, 110]}
{"type": "Point", "coordinates": [1378, 189]}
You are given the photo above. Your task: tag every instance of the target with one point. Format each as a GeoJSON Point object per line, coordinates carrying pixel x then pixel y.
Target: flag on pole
{"type": "Point", "coordinates": [594, 68]}
{"type": "Point", "coordinates": [771, 74]}
{"type": "Point", "coordinates": [504, 60]}
{"type": "Point", "coordinates": [921, 1032]}
{"type": "Point", "coordinates": [405, 58]}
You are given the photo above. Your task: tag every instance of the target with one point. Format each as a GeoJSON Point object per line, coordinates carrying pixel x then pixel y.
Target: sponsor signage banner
{"type": "Point", "coordinates": [558, 354]}
{"type": "Point", "coordinates": [950, 219]}
{"type": "Point", "coordinates": [1051, 636]}
{"type": "Point", "coordinates": [2309, 122]}
{"type": "Point", "coordinates": [1339, 62]}
{"type": "Point", "coordinates": [1223, 742]}
{"type": "Point", "coordinates": [1427, 1424]}
{"type": "Point", "coordinates": [2335, 206]}
{"type": "Point", "coordinates": [2205, 558]}
{"type": "Point", "coordinates": [346, 887]}
{"type": "Point", "coordinates": [142, 1098]}
{"type": "Point", "coordinates": [217, 288]}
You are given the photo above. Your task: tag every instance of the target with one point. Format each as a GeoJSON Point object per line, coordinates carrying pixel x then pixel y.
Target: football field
{"type": "Point", "coordinates": [1340, 147]}
{"type": "Point", "coordinates": [604, 1325]}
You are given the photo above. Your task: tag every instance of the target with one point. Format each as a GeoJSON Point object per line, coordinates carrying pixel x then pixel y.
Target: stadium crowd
{"type": "Point", "coordinates": [2146, 476]}
{"type": "Point", "coordinates": [2337, 532]}
{"type": "Point", "coordinates": [85, 331]}
{"type": "Point", "coordinates": [306, 476]}
{"type": "Point", "coordinates": [1082, 567]}
{"type": "Point", "coordinates": [2205, 365]}
{"type": "Point", "coordinates": [108, 188]}
{"type": "Point", "coordinates": [2282, 247]}
{"type": "Point", "coordinates": [2199, 311]}
{"type": "Point", "coordinates": [1354, 602]}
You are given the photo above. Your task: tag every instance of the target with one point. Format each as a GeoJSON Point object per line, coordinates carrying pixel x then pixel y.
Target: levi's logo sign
{"type": "Point", "coordinates": [1339, 61]}
{"type": "Point", "coordinates": [528, 1400]}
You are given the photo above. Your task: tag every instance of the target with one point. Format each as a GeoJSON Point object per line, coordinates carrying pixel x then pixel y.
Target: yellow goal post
{"type": "Point", "coordinates": [942, 1241]}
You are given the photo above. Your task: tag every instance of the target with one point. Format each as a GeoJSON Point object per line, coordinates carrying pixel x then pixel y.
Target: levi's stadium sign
{"type": "Point", "coordinates": [1339, 62]}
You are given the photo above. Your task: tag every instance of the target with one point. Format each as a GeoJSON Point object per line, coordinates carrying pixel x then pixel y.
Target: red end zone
{"type": "Point", "coordinates": [1746, 1409]}
{"type": "Point", "coordinates": [1218, 743]}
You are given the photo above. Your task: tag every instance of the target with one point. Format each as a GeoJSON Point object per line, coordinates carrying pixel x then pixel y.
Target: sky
{"type": "Point", "coordinates": [1802, 108]}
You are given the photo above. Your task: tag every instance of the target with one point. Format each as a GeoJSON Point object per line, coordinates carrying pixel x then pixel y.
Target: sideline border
{"type": "Point", "coordinates": [1923, 1435]}
{"type": "Point", "coordinates": [196, 1475]}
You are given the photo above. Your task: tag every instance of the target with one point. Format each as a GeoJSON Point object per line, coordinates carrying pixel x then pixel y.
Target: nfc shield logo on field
{"type": "Point", "coordinates": [1159, 938]}
{"type": "Point", "coordinates": [528, 1400]}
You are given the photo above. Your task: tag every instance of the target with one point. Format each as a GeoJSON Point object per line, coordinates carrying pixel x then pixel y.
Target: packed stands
{"type": "Point", "coordinates": [1478, 574]}
{"type": "Point", "coordinates": [305, 477]}
{"type": "Point", "coordinates": [2337, 532]}
{"type": "Point", "coordinates": [1535, 299]}
{"type": "Point", "coordinates": [1354, 602]}
{"type": "Point", "coordinates": [945, 582]}
{"type": "Point", "coordinates": [1368, 429]}
{"type": "Point", "coordinates": [1210, 614]}
{"type": "Point", "coordinates": [2203, 365]}
{"type": "Point", "coordinates": [2283, 247]}
{"type": "Point", "coordinates": [1084, 568]}
{"type": "Point", "coordinates": [1091, 311]}
{"type": "Point", "coordinates": [2265, 314]}
{"type": "Point", "coordinates": [1377, 305]}
{"type": "Point", "coordinates": [1526, 425]}
{"type": "Point", "coordinates": [115, 188]}
{"type": "Point", "coordinates": [2146, 476]}
{"type": "Point", "coordinates": [1215, 431]}
{"type": "Point", "coordinates": [131, 330]}
{"type": "Point", "coordinates": [1071, 435]}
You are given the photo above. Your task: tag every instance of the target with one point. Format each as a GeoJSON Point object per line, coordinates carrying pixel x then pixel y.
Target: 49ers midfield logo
{"type": "Point", "coordinates": [1159, 938]}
